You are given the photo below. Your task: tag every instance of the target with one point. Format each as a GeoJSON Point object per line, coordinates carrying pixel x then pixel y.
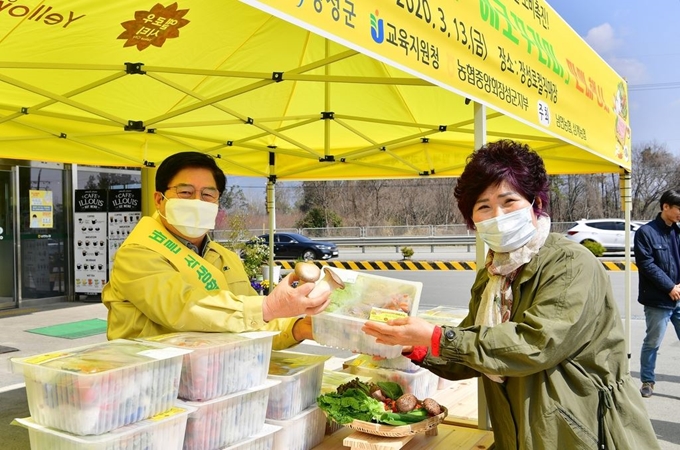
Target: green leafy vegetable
{"type": "Point", "coordinates": [356, 383]}
{"type": "Point", "coordinates": [352, 400]}
{"type": "Point", "coordinates": [390, 389]}
{"type": "Point", "coordinates": [390, 418]}
{"type": "Point", "coordinates": [351, 404]}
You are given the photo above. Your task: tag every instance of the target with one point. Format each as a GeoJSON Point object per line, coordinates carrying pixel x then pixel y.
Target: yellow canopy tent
{"type": "Point", "coordinates": [127, 83]}
{"type": "Point", "coordinates": [305, 89]}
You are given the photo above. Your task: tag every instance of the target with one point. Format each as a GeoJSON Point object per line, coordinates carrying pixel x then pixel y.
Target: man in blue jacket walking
{"type": "Point", "coordinates": [657, 256]}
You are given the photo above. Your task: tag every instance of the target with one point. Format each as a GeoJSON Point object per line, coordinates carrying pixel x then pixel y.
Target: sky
{"type": "Point", "coordinates": [640, 40]}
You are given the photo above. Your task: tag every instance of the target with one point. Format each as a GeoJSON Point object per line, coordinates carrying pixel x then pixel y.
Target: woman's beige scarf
{"type": "Point", "coordinates": [496, 304]}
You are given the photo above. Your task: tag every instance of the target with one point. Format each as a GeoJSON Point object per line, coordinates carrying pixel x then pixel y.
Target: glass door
{"type": "Point", "coordinates": [43, 235]}
{"type": "Point", "coordinates": [8, 298]}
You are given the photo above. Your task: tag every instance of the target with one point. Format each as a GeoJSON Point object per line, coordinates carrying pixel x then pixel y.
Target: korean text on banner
{"type": "Point", "coordinates": [516, 56]}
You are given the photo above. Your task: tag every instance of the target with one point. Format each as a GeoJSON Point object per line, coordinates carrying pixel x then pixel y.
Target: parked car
{"type": "Point", "coordinates": [294, 246]}
{"type": "Point", "coordinates": [610, 233]}
{"type": "Point", "coordinates": [639, 223]}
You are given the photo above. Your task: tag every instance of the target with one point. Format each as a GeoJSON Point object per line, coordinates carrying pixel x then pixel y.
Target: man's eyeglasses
{"type": "Point", "coordinates": [185, 191]}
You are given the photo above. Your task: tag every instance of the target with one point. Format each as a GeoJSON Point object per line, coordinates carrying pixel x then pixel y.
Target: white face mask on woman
{"type": "Point", "coordinates": [193, 218]}
{"type": "Point", "coordinates": [507, 232]}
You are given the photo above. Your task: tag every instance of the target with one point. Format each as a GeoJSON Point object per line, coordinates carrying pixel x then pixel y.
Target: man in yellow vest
{"type": "Point", "coordinates": [170, 276]}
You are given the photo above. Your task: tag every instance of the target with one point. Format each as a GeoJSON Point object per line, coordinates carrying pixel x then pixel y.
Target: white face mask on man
{"type": "Point", "coordinates": [193, 218]}
{"type": "Point", "coordinates": [507, 232]}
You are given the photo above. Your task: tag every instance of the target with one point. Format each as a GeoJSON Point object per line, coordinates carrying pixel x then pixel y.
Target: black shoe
{"type": "Point", "coordinates": [647, 389]}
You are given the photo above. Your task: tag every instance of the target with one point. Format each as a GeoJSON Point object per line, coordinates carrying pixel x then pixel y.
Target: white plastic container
{"type": "Point", "coordinates": [94, 389]}
{"type": "Point", "coordinates": [333, 330]}
{"type": "Point", "coordinates": [300, 378]}
{"type": "Point", "coordinates": [421, 383]}
{"type": "Point", "coordinates": [227, 420]}
{"type": "Point", "coordinates": [163, 431]}
{"type": "Point", "coordinates": [264, 440]}
{"type": "Point", "coordinates": [399, 363]}
{"type": "Point", "coordinates": [340, 324]}
{"type": "Point", "coordinates": [334, 378]}
{"type": "Point", "coordinates": [220, 363]}
{"type": "Point", "coordinates": [444, 315]}
{"type": "Point", "coordinates": [302, 432]}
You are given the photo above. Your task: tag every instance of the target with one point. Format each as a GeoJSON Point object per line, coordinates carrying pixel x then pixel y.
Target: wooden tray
{"type": "Point", "coordinates": [428, 426]}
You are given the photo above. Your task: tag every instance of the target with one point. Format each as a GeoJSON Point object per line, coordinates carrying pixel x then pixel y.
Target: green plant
{"type": "Point", "coordinates": [238, 233]}
{"type": "Point", "coordinates": [254, 254]}
{"type": "Point", "coordinates": [595, 247]}
{"type": "Point", "coordinates": [407, 252]}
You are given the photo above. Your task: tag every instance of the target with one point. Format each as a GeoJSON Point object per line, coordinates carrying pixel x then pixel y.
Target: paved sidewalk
{"type": "Point", "coordinates": [662, 406]}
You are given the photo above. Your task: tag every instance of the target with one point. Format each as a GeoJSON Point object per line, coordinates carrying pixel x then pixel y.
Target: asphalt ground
{"type": "Point", "coordinates": [662, 406]}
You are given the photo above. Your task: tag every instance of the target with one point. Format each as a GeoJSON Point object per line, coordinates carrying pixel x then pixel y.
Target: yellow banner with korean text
{"type": "Point", "coordinates": [516, 56]}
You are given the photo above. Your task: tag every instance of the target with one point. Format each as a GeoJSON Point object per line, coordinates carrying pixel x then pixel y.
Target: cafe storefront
{"type": "Point", "coordinates": [37, 262]}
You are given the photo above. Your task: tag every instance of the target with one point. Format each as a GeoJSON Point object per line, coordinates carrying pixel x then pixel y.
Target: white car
{"type": "Point", "coordinates": [610, 233]}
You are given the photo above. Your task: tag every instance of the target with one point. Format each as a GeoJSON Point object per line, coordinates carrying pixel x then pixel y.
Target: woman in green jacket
{"type": "Point", "coordinates": [543, 330]}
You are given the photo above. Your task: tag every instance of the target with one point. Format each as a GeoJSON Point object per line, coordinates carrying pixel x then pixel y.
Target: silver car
{"type": "Point", "coordinates": [610, 233]}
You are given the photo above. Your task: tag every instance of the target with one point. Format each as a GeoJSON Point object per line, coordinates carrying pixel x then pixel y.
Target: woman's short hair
{"type": "Point", "coordinates": [195, 160]}
{"type": "Point", "coordinates": [503, 160]}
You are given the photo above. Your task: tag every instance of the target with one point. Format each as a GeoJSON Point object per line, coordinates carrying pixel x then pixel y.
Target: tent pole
{"type": "Point", "coordinates": [148, 189]}
{"type": "Point", "coordinates": [483, 421]}
{"type": "Point", "coordinates": [327, 105]}
{"type": "Point", "coordinates": [626, 204]}
{"type": "Point", "coordinates": [271, 211]}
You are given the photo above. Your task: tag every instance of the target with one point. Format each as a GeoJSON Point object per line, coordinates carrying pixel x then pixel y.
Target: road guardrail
{"type": "Point", "coordinates": [401, 241]}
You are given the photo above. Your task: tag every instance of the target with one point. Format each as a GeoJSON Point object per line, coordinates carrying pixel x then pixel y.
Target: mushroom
{"type": "Point", "coordinates": [376, 393]}
{"type": "Point", "coordinates": [307, 272]}
{"type": "Point", "coordinates": [432, 407]}
{"type": "Point", "coordinates": [328, 283]}
{"type": "Point", "coordinates": [406, 403]}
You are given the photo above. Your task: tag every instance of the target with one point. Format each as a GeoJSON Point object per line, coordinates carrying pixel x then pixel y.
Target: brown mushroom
{"type": "Point", "coordinates": [406, 403]}
{"type": "Point", "coordinates": [432, 407]}
{"type": "Point", "coordinates": [307, 272]}
{"type": "Point", "coordinates": [376, 393]}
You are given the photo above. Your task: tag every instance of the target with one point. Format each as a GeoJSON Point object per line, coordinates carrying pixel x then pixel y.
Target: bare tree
{"type": "Point", "coordinates": [569, 201]}
{"type": "Point", "coordinates": [109, 180]}
{"type": "Point", "coordinates": [655, 171]}
{"type": "Point", "coordinates": [286, 197]}
{"type": "Point", "coordinates": [430, 201]}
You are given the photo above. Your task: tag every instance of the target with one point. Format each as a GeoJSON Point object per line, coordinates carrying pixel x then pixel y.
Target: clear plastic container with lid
{"type": "Point", "coordinates": [399, 363]}
{"type": "Point", "coordinates": [334, 378]}
{"type": "Point", "coordinates": [94, 389]}
{"type": "Point", "coordinates": [302, 432]}
{"type": "Point", "coordinates": [264, 440]}
{"type": "Point", "coordinates": [300, 378]}
{"type": "Point", "coordinates": [162, 431]}
{"type": "Point", "coordinates": [227, 420]}
{"type": "Point", "coordinates": [421, 383]}
{"type": "Point", "coordinates": [444, 315]}
{"type": "Point", "coordinates": [341, 322]}
{"type": "Point", "coordinates": [220, 363]}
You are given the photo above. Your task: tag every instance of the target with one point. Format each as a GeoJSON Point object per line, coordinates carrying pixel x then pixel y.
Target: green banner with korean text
{"type": "Point", "coordinates": [518, 57]}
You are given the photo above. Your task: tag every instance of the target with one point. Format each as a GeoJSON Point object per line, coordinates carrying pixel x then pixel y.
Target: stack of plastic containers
{"type": "Point", "coordinates": [118, 395]}
{"type": "Point", "coordinates": [292, 403]}
{"type": "Point", "coordinates": [224, 379]}
{"type": "Point", "coordinates": [341, 322]}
